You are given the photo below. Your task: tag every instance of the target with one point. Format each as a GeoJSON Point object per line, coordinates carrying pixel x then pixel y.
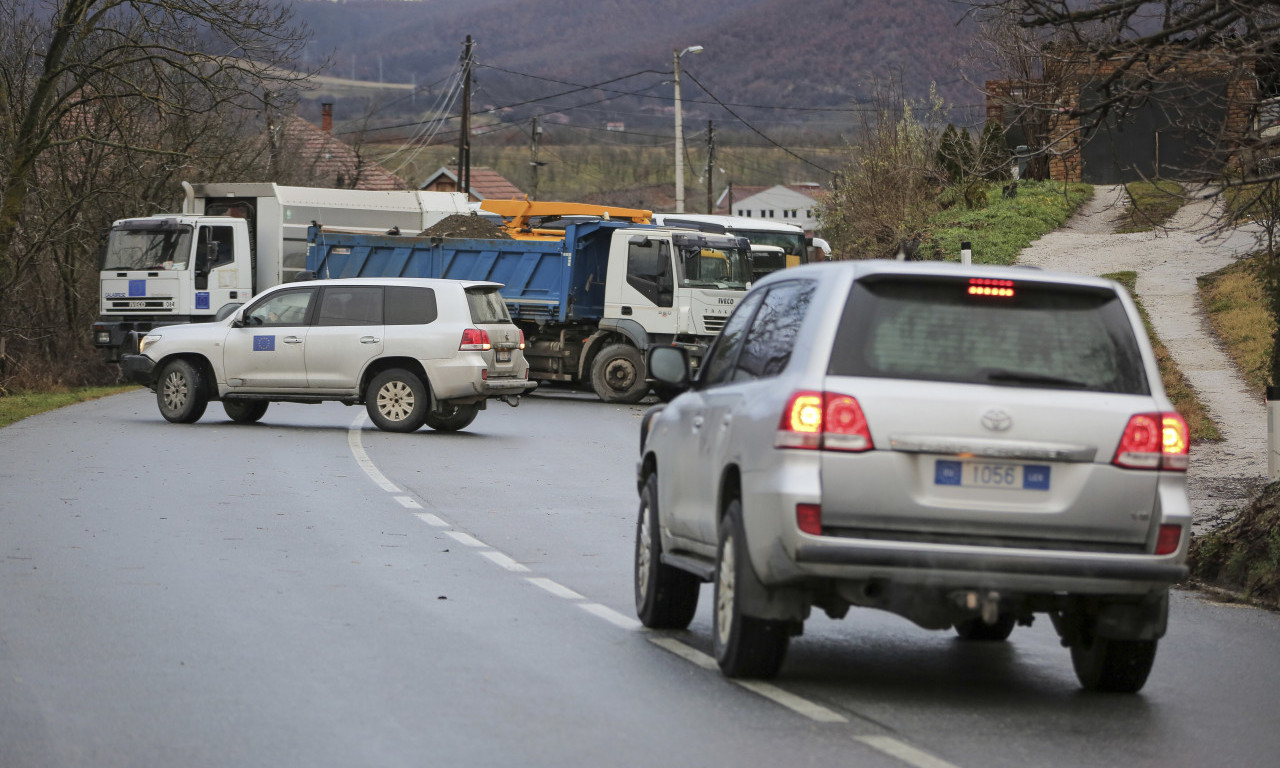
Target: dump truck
{"type": "Point", "coordinates": [591, 303]}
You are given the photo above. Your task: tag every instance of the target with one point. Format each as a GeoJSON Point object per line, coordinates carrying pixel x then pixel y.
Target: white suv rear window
{"type": "Point", "coordinates": [1012, 334]}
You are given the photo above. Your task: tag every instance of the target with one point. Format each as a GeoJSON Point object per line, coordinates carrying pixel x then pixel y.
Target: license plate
{"type": "Point", "coordinates": [986, 474]}
{"type": "Point", "coordinates": [503, 355]}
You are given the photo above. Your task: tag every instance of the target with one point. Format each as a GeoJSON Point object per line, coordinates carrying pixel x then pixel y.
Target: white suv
{"type": "Point", "coordinates": [965, 447]}
{"type": "Point", "coordinates": [414, 351]}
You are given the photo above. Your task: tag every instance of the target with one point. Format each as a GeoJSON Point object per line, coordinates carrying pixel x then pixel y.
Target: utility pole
{"type": "Point", "coordinates": [711, 160]}
{"type": "Point", "coordinates": [680, 129]}
{"type": "Point", "coordinates": [464, 137]}
{"type": "Point", "coordinates": [535, 133]}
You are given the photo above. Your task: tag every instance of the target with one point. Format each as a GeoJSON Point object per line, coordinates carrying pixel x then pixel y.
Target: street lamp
{"type": "Point", "coordinates": [680, 131]}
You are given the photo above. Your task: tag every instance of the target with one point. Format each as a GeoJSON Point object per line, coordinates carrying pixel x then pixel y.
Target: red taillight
{"type": "Point", "coordinates": [809, 518]}
{"type": "Point", "coordinates": [1168, 539]}
{"type": "Point", "coordinates": [823, 420]}
{"type": "Point", "coordinates": [475, 339]}
{"type": "Point", "coordinates": [1154, 441]}
{"type": "Point", "coordinates": [522, 339]}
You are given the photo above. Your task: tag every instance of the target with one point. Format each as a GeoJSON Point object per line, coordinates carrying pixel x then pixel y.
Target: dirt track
{"type": "Point", "coordinates": [1223, 475]}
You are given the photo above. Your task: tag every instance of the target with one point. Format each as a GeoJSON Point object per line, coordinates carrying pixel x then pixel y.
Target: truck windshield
{"type": "Point", "coordinates": [705, 266]}
{"type": "Point", "coordinates": [143, 249]}
{"type": "Point", "coordinates": [794, 251]}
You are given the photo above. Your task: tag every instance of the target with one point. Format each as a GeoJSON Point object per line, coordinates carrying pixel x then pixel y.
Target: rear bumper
{"type": "Point", "coordinates": [139, 369]}
{"type": "Point", "coordinates": [507, 387]}
{"type": "Point", "coordinates": [1016, 567]}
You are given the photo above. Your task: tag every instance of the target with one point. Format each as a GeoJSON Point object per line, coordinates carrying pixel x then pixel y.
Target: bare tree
{"type": "Point", "coordinates": [888, 184]}
{"type": "Point", "coordinates": [104, 104]}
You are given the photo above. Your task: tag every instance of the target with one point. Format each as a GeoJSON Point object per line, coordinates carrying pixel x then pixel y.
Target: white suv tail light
{"type": "Point", "coordinates": [823, 421]}
{"type": "Point", "coordinates": [475, 339]}
{"type": "Point", "coordinates": [1154, 441]}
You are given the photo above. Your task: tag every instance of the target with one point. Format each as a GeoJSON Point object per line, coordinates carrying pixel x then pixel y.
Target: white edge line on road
{"type": "Point", "coordinates": [904, 752]}
{"type": "Point", "coordinates": [431, 519]}
{"type": "Point", "coordinates": [801, 706]}
{"type": "Point", "coordinates": [505, 561]}
{"type": "Point", "coordinates": [362, 458]}
{"type": "Point", "coordinates": [465, 538]}
{"type": "Point", "coordinates": [555, 588]}
{"type": "Point", "coordinates": [610, 615]}
{"type": "Point", "coordinates": [408, 503]}
{"type": "Point", "coordinates": [685, 652]}
{"type": "Point", "coordinates": [773, 693]}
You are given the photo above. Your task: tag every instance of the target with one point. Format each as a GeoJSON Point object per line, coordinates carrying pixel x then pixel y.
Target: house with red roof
{"type": "Point", "coordinates": [486, 184]}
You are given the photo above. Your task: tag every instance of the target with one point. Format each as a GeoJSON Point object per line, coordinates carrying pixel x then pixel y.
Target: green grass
{"type": "Point", "coordinates": [1151, 205]}
{"type": "Point", "coordinates": [18, 406]}
{"type": "Point", "coordinates": [999, 232]}
{"type": "Point", "coordinates": [1234, 299]}
{"type": "Point", "coordinates": [1176, 385]}
{"type": "Point", "coordinates": [1244, 555]}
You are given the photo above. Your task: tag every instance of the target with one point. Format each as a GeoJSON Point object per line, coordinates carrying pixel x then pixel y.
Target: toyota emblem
{"type": "Point", "coordinates": [997, 420]}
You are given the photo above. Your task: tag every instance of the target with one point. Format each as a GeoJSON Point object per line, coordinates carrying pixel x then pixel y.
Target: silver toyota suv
{"type": "Point", "coordinates": [414, 351]}
{"type": "Point", "coordinates": [965, 447]}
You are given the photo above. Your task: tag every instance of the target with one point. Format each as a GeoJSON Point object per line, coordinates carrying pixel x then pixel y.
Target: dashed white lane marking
{"type": "Point", "coordinates": [886, 744]}
{"type": "Point", "coordinates": [815, 712]}
{"type": "Point", "coordinates": [362, 458]}
{"type": "Point", "coordinates": [555, 588]}
{"type": "Point", "coordinates": [466, 538]}
{"type": "Point", "coordinates": [504, 561]}
{"type": "Point", "coordinates": [904, 752]}
{"type": "Point", "coordinates": [610, 615]}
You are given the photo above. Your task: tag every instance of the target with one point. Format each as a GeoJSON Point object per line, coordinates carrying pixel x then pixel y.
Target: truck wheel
{"type": "Point", "coordinates": [245, 411]}
{"type": "Point", "coordinates": [666, 597]}
{"type": "Point", "coordinates": [1115, 666]}
{"type": "Point", "coordinates": [745, 646]}
{"type": "Point", "coordinates": [977, 629]}
{"type": "Point", "coordinates": [397, 401]}
{"type": "Point", "coordinates": [180, 392]}
{"type": "Point", "coordinates": [618, 374]}
{"type": "Point", "coordinates": [460, 418]}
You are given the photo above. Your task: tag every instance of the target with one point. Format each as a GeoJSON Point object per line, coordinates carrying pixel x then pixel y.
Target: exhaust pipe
{"type": "Point", "coordinates": [188, 198]}
{"type": "Point", "coordinates": [511, 400]}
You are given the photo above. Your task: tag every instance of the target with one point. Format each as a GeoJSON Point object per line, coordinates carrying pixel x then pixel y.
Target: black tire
{"type": "Point", "coordinates": [1113, 666]}
{"type": "Point", "coordinates": [245, 411]}
{"type": "Point", "coordinates": [977, 629]}
{"type": "Point", "coordinates": [460, 418]}
{"type": "Point", "coordinates": [618, 374]}
{"type": "Point", "coordinates": [180, 392]}
{"type": "Point", "coordinates": [666, 597]}
{"type": "Point", "coordinates": [745, 646]}
{"type": "Point", "coordinates": [397, 401]}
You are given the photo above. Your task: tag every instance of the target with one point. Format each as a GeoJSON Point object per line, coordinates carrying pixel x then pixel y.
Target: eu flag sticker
{"type": "Point", "coordinates": [946, 472]}
{"type": "Point", "coordinates": [264, 343]}
{"type": "Point", "coordinates": [202, 299]}
{"type": "Point", "coordinates": [137, 288]}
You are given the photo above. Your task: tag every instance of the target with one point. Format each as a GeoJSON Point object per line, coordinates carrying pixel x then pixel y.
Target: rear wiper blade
{"type": "Point", "coordinates": [1000, 375]}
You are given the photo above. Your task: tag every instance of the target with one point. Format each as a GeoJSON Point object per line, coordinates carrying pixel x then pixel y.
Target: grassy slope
{"type": "Point", "coordinates": [1244, 555]}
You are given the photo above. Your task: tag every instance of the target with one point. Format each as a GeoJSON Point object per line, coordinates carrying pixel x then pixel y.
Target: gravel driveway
{"type": "Point", "coordinates": [1223, 476]}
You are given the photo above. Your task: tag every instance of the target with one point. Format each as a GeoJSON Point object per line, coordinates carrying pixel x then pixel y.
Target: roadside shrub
{"type": "Point", "coordinates": [1244, 555]}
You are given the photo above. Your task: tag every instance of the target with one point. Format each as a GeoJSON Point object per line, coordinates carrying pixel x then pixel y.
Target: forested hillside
{"type": "Point", "coordinates": [800, 60]}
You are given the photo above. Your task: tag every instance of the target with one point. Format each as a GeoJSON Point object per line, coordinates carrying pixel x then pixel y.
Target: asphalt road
{"type": "Point", "coordinates": [312, 592]}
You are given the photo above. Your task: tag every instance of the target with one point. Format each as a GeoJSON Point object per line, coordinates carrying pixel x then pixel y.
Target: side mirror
{"type": "Point", "coordinates": [670, 366]}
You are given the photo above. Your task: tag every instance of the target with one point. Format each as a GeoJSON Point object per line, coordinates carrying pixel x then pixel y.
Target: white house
{"type": "Point", "coordinates": [783, 203]}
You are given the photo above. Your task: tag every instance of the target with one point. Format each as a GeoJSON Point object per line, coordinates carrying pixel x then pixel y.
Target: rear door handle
{"type": "Point", "coordinates": [292, 340]}
{"type": "Point", "coordinates": [369, 339]}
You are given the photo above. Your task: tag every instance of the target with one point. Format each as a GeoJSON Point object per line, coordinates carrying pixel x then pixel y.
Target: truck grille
{"type": "Point", "coordinates": [713, 323]}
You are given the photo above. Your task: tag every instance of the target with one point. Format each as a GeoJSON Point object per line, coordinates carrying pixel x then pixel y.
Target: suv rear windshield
{"type": "Point", "coordinates": [1042, 335]}
{"type": "Point", "coordinates": [487, 306]}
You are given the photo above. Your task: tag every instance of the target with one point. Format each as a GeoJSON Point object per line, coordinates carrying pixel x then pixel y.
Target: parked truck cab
{"type": "Point", "coordinates": [229, 242]}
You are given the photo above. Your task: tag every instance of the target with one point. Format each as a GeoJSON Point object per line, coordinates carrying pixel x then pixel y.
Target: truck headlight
{"type": "Point", "coordinates": [104, 337]}
{"type": "Point", "coordinates": [147, 341]}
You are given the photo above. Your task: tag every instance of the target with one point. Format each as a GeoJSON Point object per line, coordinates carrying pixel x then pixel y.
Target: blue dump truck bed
{"type": "Point", "coordinates": [543, 281]}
